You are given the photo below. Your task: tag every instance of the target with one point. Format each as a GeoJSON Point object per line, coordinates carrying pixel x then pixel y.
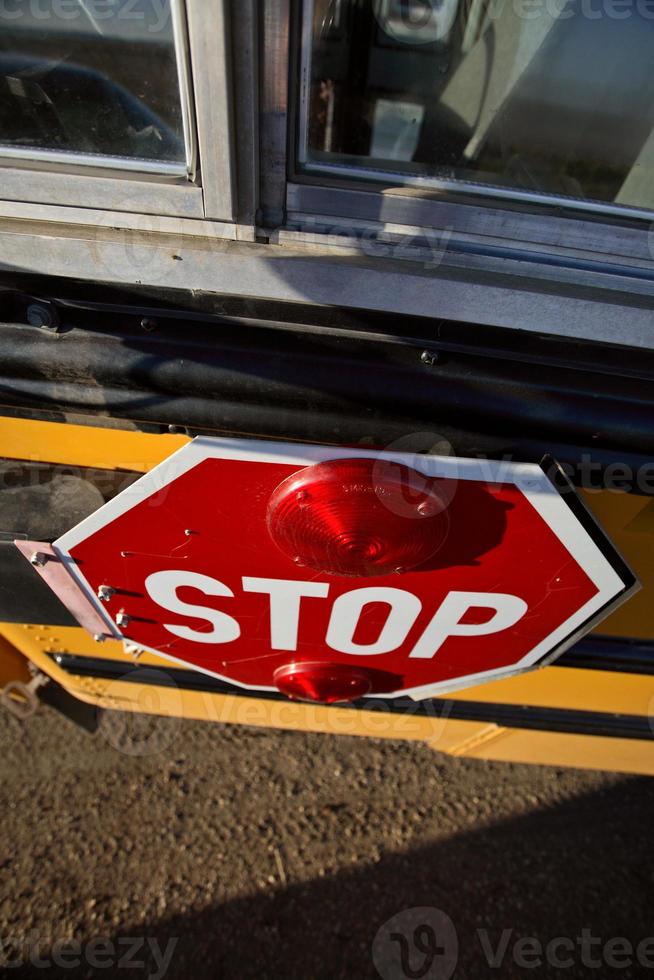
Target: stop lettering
{"type": "Point", "coordinates": [285, 596]}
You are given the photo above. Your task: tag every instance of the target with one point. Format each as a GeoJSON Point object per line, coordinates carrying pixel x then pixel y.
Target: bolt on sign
{"type": "Point", "coordinates": [330, 574]}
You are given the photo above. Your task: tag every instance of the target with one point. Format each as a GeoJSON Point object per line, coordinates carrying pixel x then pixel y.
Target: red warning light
{"type": "Point", "coordinates": [358, 517]}
{"type": "Point", "coordinates": [322, 682]}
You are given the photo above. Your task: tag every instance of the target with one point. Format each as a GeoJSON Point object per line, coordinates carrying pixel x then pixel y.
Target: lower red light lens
{"type": "Point", "coordinates": [326, 683]}
{"type": "Point", "coordinates": [359, 517]}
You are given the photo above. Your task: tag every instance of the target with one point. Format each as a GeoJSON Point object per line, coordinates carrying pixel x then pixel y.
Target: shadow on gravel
{"type": "Point", "coordinates": [587, 864]}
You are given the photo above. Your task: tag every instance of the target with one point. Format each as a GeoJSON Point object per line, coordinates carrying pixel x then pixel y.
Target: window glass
{"type": "Point", "coordinates": [90, 77]}
{"type": "Point", "coordinates": [530, 96]}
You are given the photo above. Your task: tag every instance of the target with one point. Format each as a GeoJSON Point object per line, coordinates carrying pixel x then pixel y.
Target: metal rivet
{"type": "Point", "coordinates": [99, 637]}
{"type": "Point", "coordinates": [430, 357]}
{"type": "Point", "coordinates": [39, 315]}
{"type": "Point", "coordinates": [38, 558]}
{"type": "Point", "coordinates": [105, 593]}
{"type": "Point", "coordinates": [123, 619]}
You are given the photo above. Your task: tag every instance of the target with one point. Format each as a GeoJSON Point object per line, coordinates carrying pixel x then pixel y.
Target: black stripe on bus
{"type": "Point", "coordinates": [567, 721]}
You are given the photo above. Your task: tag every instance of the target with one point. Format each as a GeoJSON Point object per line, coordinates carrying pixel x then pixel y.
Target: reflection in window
{"type": "Point", "coordinates": [536, 96]}
{"type": "Point", "coordinates": [91, 78]}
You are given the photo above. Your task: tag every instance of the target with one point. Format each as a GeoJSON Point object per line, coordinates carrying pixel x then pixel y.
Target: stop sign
{"type": "Point", "coordinates": [330, 573]}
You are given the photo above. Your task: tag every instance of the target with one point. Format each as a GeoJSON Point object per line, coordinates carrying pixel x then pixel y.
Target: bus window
{"type": "Point", "coordinates": [525, 98]}
{"type": "Point", "coordinates": [93, 82]}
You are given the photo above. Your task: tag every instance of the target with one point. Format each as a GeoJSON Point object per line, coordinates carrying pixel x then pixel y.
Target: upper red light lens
{"type": "Point", "coordinates": [359, 517]}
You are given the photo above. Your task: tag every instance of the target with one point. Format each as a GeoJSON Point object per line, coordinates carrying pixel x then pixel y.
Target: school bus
{"type": "Point", "coordinates": [414, 226]}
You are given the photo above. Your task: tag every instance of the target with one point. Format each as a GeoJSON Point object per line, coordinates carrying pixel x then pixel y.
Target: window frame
{"type": "Point", "coordinates": [549, 237]}
{"type": "Point", "coordinates": [73, 159]}
{"type": "Point", "coordinates": [202, 188]}
{"type": "Point", "coordinates": [504, 202]}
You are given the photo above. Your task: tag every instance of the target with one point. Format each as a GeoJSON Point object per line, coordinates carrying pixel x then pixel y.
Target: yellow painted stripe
{"type": "Point", "coordinates": [627, 520]}
{"type": "Point", "coordinates": [601, 752]}
{"type": "Point", "coordinates": [82, 445]}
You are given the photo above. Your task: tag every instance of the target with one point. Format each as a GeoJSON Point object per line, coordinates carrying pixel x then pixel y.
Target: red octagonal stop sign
{"type": "Point", "coordinates": [277, 566]}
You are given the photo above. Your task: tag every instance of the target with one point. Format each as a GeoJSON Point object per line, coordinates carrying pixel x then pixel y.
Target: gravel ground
{"type": "Point", "coordinates": [236, 853]}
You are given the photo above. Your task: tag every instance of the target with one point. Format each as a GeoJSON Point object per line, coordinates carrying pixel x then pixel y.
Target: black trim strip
{"type": "Point", "coordinates": [614, 654]}
{"type": "Point", "coordinates": [300, 372]}
{"type": "Point", "coordinates": [505, 715]}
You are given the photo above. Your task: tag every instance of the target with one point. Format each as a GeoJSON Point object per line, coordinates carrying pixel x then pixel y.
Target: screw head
{"type": "Point", "coordinates": [105, 593]}
{"type": "Point", "coordinates": [123, 619]}
{"type": "Point", "coordinates": [41, 316]}
{"type": "Point", "coordinates": [38, 558]}
{"type": "Point", "coordinates": [99, 637]}
{"type": "Point", "coordinates": [430, 357]}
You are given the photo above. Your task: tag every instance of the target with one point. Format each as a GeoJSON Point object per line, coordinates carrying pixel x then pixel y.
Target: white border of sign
{"type": "Point", "coordinates": [527, 477]}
